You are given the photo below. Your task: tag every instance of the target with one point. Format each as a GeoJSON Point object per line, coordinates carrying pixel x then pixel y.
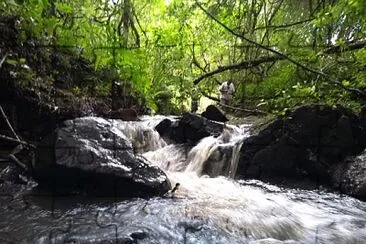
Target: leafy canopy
{"type": "Point", "coordinates": [162, 46]}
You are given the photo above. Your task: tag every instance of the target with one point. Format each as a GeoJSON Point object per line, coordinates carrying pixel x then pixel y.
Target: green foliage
{"type": "Point", "coordinates": [76, 90]}
{"type": "Point", "coordinates": [161, 46]}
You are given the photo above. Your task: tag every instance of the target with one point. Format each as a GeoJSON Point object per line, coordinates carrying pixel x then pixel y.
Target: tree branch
{"type": "Point", "coordinates": [139, 25]}
{"type": "Point", "coordinates": [208, 96]}
{"type": "Point", "coordinates": [8, 123]}
{"type": "Point", "coordinates": [254, 112]}
{"type": "Point", "coordinates": [285, 25]}
{"type": "Point", "coordinates": [17, 162]}
{"type": "Point", "coordinates": [266, 34]}
{"type": "Point", "coordinates": [195, 62]}
{"type": "Point", "coordinates": [242, 65]}
{"type": "Point", "coordinates": [284, 56]}
{"type": "Point", "coordinates": [3, 60]}
{"type": "Point", "coordinates": [348, 47]}
{"type": "Point", "coordinates": [269, 59]}
{"type": "Point", "coordinates": [7, 138]}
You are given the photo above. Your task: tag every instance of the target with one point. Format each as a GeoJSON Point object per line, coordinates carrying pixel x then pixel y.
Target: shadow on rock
{"type": "Point", "coordinates": [91, 155]}
{"type": "Point", "coordinates": [189, 128]}
{"type": "Point", "coordinates": [306, 145]}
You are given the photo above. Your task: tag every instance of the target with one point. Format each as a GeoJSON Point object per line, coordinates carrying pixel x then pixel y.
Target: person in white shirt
{"type": "Point", "coordinates": [227, 90]}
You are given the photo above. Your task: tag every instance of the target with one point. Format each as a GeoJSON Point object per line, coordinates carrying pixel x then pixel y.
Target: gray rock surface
{"type": "Point", "coordinates": [350, 176]}
{"type": "Point", "coordinates": [189, 128]}
{"type": "Point", "coordinates": [215, 114]}
{"type": "Point", "coordinates": [308, 144]}
{"type": "Point", "coordinates": [89, 154]}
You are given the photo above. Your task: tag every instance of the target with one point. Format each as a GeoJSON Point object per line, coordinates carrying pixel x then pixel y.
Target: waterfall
{"type": "Point", "coordinates": [200, 154]}
{"type": "Point", "coordinates": [142, 135]}
{"type": "Point", "coordinates": [211, 156]}
{"type": "Point", "coordinates": [234, 159]}
{"type": "Point", "coordinates": [209, 207]}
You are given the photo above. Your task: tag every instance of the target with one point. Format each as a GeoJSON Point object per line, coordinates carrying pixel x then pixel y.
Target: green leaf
{"type": "Point", "coordinates": [12, 61]}
{"type": "Point", "coordinates": [65, 8]}
{"type": "Point", "coordinates": [22, 60]}
{"type": "Point", "coordinates": [346, 83]}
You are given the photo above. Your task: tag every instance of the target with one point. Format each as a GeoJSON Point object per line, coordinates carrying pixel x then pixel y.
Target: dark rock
{"type": "Point", "coordinates": [126, 114]}
{"type": "Point", "coordinates": [217, 163]}
{"type": "Point", "coordinates": [8, 31]}
{"type": "Point", "coordinates": [305, 145]}
{"type": "Point", "coordinates": [189, 128]}
{"type": "Point", "coordinates": [124, 96]}
{"type": "Point", "coordinates": [12, 174]}
{"type": "Point", "coordinates": [37, 111]}
{"type": "Point", "coordinates": [164, 128]}
{"type": "Point", "coordinates": [350, 176]}
{"type": "Point", "coordinates": [91, 155]}
{"type": "Point", "coordinates": [215, 114]}
{"type": "Point", "coordinates": [138, 235]}
{"type": "Point", "coordinates": [101, 109]}
{"type": "Point", "coordinates": [362, 117]}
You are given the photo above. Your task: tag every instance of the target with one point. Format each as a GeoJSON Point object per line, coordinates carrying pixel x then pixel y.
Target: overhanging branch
{"type": "Point", "coordinates": [208, 96]}
{"type": "Point", "coordinates": [283, 56]}
{"type": "Point", "coordinates": [252, 63]}
{"type": "Point", "coordinates": [348, 47]}
{"type": "Point", "coordinates": [285, 25]}
{"type": "Point", "coordinates": [242, 65]}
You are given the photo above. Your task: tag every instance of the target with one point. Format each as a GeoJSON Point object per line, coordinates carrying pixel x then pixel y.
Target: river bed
{"type": "Point", "coordinates": [204, 209]}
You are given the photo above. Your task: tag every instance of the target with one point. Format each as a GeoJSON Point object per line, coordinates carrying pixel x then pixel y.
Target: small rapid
{"type": "Point", "coordinates": [210, 206]}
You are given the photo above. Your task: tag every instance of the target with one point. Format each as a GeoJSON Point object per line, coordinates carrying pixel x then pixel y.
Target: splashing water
{"type": "Point", "coordinates": [143, 137]}
{"type": "Point", "coordinates": [209, 207]}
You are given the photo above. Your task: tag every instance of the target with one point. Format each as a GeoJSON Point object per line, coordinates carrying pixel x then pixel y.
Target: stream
{"type": "Point", "coordinates": [203, 210]}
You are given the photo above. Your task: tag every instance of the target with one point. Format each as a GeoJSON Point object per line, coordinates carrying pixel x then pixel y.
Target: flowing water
{"type": "Point", "coordinates": [204, 209]}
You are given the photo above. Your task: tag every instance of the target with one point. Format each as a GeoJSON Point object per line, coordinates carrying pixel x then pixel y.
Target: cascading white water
{"type": "Point", "coordinates": [200, 154]}
{"type": "Point", "coordinates": [220, 153]}
{"type": "Point", "coordinates": [243, 210]}
{"type": "Point", "coordinates": [221, 200]}
{"type": "Point", "coordinates": [143, 137]}
{"type": "Point", "coordinates": [205, 209]}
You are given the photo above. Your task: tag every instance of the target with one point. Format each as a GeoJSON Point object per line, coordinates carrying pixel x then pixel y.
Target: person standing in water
{"type": "Point", "coordinates": [227, 91]}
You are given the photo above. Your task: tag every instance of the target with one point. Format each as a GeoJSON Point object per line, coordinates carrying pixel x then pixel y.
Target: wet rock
{"type": "Point", "coordinates": [126, 114]}
{"type": "Point", "coordinates": [13, 174]}
{"type": "Point", "coordinates": [304, 145]}
{"type": "Point", "coordinates": [138, 235]}
{"type": "Point", "coordinates": [215, 114]}
{"type": "Point", "coordinates": [126, 240]}
{"type": "Point", "coordinates": [164, 128]}
{"type": "Point", "coordinates": [362, 115]}
{"type": "Point", "coordinates": [37, 111]}
{"type": "Point", "coordinates": [91, 155]}
{"type": "Point", "coordinates": [189, 128]}
{"type": "Point", "coordinates": [350, 176]}
{"type": "Point", "coordinates": [101, 109]}
{"type": "Point", "coordinates": [219, 161]}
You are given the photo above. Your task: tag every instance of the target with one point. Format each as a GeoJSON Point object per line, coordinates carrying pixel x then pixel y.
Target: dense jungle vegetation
{"type": "Point", "coordinates": [279, 53]}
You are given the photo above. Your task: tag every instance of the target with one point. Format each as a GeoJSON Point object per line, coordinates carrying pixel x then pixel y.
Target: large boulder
{"type": "Point", "coordinates": [350, 176]}
{"type": "Point", "coordinates": [189, 128]}
{"type": "Point", "coordinates": [164, 128]}
{"type": "Point", "coordinates": [91, 155]}
{"type": "Point", "coordinates": [215, 114]}
{"type": "Point", "coordinates": [306, 145]}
